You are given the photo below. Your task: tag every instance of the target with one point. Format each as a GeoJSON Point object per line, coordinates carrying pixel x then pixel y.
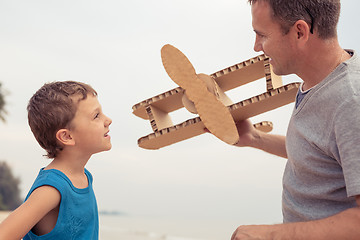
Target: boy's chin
{"type": "Point", "coordinates": [109, 147]}
{"type": "Point", "coordinates": [105, 149]}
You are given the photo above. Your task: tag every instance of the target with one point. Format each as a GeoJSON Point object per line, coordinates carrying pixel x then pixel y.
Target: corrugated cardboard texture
{"type": "Point", "coordinates": [179, 68]}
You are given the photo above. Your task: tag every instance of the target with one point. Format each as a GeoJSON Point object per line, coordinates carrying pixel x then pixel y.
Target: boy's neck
{"type": "Point", "coordinates": [72, 166]}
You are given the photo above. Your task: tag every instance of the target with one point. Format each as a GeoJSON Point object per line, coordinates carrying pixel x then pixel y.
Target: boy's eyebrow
{"type": "Point", "coordinates": [97, 109]}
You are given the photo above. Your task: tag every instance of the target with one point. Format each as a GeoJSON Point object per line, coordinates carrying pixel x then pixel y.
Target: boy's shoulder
{"type": "Point", "coordinates": [50, 177]}
{"type": "Point", "coordinates": [60, 181]}
{"type": "Point", "coordinates": [57, 177]}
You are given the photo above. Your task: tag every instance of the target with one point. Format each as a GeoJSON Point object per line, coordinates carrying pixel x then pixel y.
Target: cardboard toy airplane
{"type": "Point", "coordinates": [205, 95]}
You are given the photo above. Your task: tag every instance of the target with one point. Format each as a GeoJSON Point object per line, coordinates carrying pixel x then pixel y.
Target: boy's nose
{"type": "Point", "coordinates": [108, 121]}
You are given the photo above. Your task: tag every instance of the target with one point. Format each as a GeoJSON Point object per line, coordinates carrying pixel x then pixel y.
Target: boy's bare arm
{"type": "Point", "coordinates": [23, 219]}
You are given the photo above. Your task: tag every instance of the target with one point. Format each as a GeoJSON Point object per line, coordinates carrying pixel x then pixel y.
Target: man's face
{"type": "Point", "coordinates": [271, 40]}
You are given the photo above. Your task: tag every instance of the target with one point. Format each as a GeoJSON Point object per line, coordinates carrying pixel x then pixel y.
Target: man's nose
{"type": "Point", "coordinates": [258, 45]}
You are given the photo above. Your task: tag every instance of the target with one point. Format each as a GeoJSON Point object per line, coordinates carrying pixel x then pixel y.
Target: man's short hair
{"type": "Point", "coordinates": [52, 108]}
{"type": "Point", "coordinates": [321, 15]}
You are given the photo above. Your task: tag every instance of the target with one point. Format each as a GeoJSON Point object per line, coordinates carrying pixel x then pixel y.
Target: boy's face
{"type": "Point", "coordinates": [90, 127]}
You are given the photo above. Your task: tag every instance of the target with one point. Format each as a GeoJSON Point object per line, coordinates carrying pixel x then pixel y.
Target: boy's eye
{"type": "Point", "coordinates": [96, 115]}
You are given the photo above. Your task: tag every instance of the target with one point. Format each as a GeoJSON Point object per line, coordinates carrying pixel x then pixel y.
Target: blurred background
{"type": "Point", "coordinates": [200, 187]}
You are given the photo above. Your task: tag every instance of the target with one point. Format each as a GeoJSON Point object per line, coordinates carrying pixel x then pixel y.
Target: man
{"type": "Point", "coordinates": [321, 183]}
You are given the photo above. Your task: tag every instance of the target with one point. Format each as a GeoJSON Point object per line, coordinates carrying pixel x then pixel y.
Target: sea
{"type": "Point", "coordinates": [132, 227]}
{"type": "Point", "coordinates": [138, 227]}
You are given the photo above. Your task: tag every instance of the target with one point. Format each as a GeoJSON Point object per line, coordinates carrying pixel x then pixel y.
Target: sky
{"type": "Point", "coordinates": [115, 47]}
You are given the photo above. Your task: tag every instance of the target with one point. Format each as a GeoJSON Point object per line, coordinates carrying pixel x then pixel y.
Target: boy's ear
{"type": "Point", "coordinates": [64, 136]}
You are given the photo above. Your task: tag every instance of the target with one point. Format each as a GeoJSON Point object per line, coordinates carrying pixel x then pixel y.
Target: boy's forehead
{"type": "Point", "coordinates": [90, 103]}
{"type": "Point", "coordinates": [85, 108]}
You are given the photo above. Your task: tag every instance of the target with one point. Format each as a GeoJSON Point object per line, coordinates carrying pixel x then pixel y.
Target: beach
{"type": "Point", "coordinates": [130, 227]}
{"type": "Point", "coordinates": [141, 228]}
{"type": "Point", "coordinates": [3, 215]}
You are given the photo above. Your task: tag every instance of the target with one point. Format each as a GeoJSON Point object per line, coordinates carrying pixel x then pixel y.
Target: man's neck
{"type": "Point", "coordinates": [319, 60]}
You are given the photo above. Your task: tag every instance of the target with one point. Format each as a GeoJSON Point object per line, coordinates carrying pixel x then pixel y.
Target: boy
{"type": "Point", "coordinates": [67, 121]}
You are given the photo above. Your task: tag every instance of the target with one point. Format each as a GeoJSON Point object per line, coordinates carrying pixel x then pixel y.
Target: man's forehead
{"type": "Point", "coordinates": [261, 9]}
{"type": "Point", "coordinates": [262, 17]}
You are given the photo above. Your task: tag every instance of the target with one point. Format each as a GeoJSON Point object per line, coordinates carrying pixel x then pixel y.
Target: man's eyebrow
{"type": "Point", "coordinates": [259, 32]}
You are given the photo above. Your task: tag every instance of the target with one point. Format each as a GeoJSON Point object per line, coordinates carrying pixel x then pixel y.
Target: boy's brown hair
{"type": "Point", "coordinates": [321, 15]}
{"type": "Point", "coordinates": [52, 108]}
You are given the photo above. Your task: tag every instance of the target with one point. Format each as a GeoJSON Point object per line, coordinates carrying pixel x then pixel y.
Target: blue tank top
{"type": "Point", "coordinates": [78, 214]}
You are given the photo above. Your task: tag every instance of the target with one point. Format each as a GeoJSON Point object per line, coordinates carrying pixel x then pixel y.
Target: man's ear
{"type": "Point", "coordinates": [64, 137]}
{"type": "Point", "coordinates": [302, 30]}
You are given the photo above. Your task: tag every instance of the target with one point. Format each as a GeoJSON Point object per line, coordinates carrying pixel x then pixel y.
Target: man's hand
{"type": "Point", "coordinates": [253, 232]}
{"type": "Point", "coordinates": [247, 133]}
{"type": "Point", "coordinates": [249, 136]}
